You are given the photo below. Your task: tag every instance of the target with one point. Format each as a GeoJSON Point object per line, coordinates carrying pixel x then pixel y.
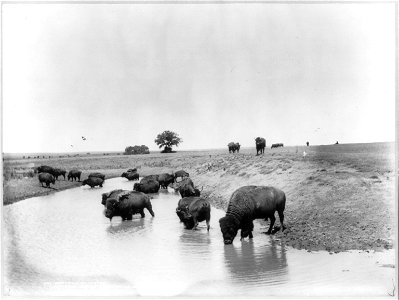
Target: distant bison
{"type": "Point", "coordinates": [198, 210]}
{"type": "Point", "coordinates": [186, 188]}
{"type": "Point", "coordinates": [233, 147]}
{"type": "Point", "coordinates": [127, 203]}
{"type": "Point", "coordinates": [46, 178]}
{"type": "Point", "coordinates": [277, 145]}
{"type": "Point", "coordinates": [98, 175]}
{"type": "Point", "coordinates": [74, 174]}
{"type": "Point", "coordinates": [248, 203]}
{"type": "Point", "coordinates": [260, 145]}
{"type": "Point", "coordinates": [181, 174]}
{"type": "Point", "coordinates": [165, 179]}
{"type": "Point", "coordinates": [130, 175]}
{"type": "Point", "coordinates": [59, 172]}
{"type": "Point", "coordinates": [93, 181]}
{"type": "Point", "coordinates": [147, 186]}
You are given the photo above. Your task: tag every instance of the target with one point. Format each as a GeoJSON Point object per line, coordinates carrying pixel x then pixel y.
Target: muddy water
{"type": "Point", "coordinates": [62, 244]}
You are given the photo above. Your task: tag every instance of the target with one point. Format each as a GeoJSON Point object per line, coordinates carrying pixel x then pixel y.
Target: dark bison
{"type": "Point", "coordinates": [307, 144]}
{"type": "Point", "coordinates": [182, 206]}
{"type": "Point", "coordinates": [74, 174]}
{"type": "Point", "coordinates": [198, 210]}
{"type": "Point", "coordinates": [127, 203]}
{"type": "Point", "coordinates": [260, 145]}
{"type": "Point", "coordinates": [46, 178]}
{"type": "Point", "coordinates": [233, 147]}
{"type": "Point", "coordinates": [93, 181]}
{"type": "Point", "coordinates": [186, 188]}
{"type": "Point", "coordinates": [248, 203]}
{"type": "Point", "coordinates": [130, 175]}
{"type": "Point", "coordinates": [147, 186]}
{"type": "Point", "coordinates": [277, 145]}
{"type": "Point", "coordinates": [45, 169]}
{"type": "Point", "coordinates": [165, 179]}
{"type": "Point", "coordinates": [111, 194]}
{"type": "Point", "coordinates": [98, 175]}
{"type": "Point", "coordinates": [181, 174]}
{"type": "Point", "coordinates": [59, 172]}
{"type": "Point", "coordinates": [132, 170]}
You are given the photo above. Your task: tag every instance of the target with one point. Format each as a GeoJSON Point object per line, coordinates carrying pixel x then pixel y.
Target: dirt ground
{"type": "Point", "coordinates": [339, 197]}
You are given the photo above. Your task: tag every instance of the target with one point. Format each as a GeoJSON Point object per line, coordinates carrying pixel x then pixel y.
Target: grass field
{"type": "Point", "coordinates": [339, 197]}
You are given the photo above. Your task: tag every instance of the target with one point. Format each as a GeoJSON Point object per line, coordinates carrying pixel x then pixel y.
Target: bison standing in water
{"type": "Point", "coordinates": [165, 179]}
{"type": "Point", "coordinates": [260, 145]}
{"type": "Point", "coordinates": [131, 175]}
{"type": "Point", "coordinates": [147, 186]}
{"type": "Point", "coordinates": [186, 188]}
{"type": "Point", "coordinates": [46, 178]}
{"type": "Point", "coordinates": [98, 175]}
{"type": "Point", "coordinates": [181, 174]}
{"type": "Point", "coordinates": [249, 203]}
{"type": "Point", "coordinates": [193, 210]}
{"type": "Point", "coordinates": [125, 204]}
{"type": "Point", "coordinates": [93, 181]}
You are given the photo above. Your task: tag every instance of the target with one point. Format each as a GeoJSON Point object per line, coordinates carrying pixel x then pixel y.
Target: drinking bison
{"type": "Point", "coordinates": [260, 145]}
{"type": "Point", "coordinates": [186, 188]}
{"type": "Point", "coordinates": [248, 203]}
{"type": "Point", "coordinates": [195, 210]}
{"type": "Point", "coordinates": [130, 175]}
{"type": "Point", "coordinates": [74, 174]}
{"type": "Point", "coordinates": [165, 179]}
{"type": "Point", "coordinates": [98, 175]}
{"type": "Point", "coordinates": [147, 186]}
{"type": "Point", "coordinates": [182, 174]}
{"type": "Point", "coordinates": [127, 203]}
{"type": "Point", "coordinates": [93, 181]}
{"type": "Point", "coordinates": [46, 178]}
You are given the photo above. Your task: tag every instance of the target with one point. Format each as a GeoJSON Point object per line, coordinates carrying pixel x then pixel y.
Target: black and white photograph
{"type": "Point", "coordinates": [199, 149]}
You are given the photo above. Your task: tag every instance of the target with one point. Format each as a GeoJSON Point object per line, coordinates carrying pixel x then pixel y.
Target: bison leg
{"type": "Point", "coordinates": [207, 225]}
{"type": "Point", "coordinates": [142, 213]}
{"type": "Point", "coordinates": [281, 217]}
{"type": "Point", "coordinates": [149, 208]}
{"type": "Point", "coordinates": [195, 223]}
{"type": "Point", "coordinates": [272, 220]}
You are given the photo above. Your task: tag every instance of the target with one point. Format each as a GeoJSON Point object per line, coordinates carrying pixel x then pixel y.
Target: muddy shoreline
{"type": "Point", "coordinates": [337, 200]}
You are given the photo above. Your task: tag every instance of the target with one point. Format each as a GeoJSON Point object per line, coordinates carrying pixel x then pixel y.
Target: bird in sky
{"type": "Point", "coordinates": [83, 138]}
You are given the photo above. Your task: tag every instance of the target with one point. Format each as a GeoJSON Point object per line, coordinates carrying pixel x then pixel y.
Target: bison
{"type": "Point", "coordinates": [277, 145]}
{"type": "Point", "coordinates": [98, 175]}
{"type": "Point", "coordinates": [147, 186]}
{"type": "Point", "coordinates": [127, 203]}
{"type": "Point", "coordinates": [249, 203]}
{"type": "Point", "coordinates": [150, 177]}
{"type": "Point", "coordinates": [46, 178]}
{"type": "Point", "coordinates": [45, 169]}
{"type": "Point", "coordinates": [111, 194]}
{"type": "Point", "coordinates": [197, 209]}
{"type": "Point", "coordinates": [58, 172]}
{"type": "Point", "coordinates": [130, 175]}
{"type": "Point", "coordinates": [233, 147]}
{"type": "Point", "coordinates": [182, 174]}
{"type": "Point", "coordinates": [74, 174]}
{"type": "Point", "coordinates": [260, 145]}
{"type": "Point", "coordinates": [186, 188]}
{"type": "Point", "coordinates": [93, 181]}
{"type": "Point", "coordinates": [165, 179]}
{"type": "Point", "coordinates": [182, 206]}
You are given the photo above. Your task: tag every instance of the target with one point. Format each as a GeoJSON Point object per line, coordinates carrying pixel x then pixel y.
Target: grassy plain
{"type": "Point", "coordinates": [339, 197]}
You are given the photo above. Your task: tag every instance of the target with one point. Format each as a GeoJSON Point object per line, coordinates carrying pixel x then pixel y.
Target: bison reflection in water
{"type": "Point", "coordinates": [247, 204]}
{"type": "Point", "coordinates": [251, 264]}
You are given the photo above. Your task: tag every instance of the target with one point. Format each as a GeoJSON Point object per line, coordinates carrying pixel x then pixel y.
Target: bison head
{"type": "Point", "coordinates": [229, 227]}
{"type": "Point", "coordinates": [111, 208]}
{"type": "Point", "coordinates": [84, 182]}
{"type": "Point", "coordinates": [137, 187]}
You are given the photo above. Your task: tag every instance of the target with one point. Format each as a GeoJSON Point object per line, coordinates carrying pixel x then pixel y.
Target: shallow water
{"type": "Point", "coordinates": [62, 244]}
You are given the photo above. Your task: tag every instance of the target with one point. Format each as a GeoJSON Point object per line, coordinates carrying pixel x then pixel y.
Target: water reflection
{"type": "Point", "coordinates": [125, 227]}
{"type": "Point", "coordinates": [257, 263]}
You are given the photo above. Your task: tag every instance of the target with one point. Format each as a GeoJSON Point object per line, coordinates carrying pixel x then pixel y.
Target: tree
{"type": "Point", "coordinates": [168, 139]}
{"type": "Point", "coordinates": [136, 150]}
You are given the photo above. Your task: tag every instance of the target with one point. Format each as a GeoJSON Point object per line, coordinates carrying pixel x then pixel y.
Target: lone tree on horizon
{"type": "Point", "coordinates": [168, 139]}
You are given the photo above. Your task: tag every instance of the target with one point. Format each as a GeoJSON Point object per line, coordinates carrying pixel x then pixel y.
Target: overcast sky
{"type": "Point", "coordinates": [120, 74]}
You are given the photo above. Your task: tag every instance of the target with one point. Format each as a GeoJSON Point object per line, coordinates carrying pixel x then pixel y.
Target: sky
{"type": "Point", "coordinates": [120, 74]}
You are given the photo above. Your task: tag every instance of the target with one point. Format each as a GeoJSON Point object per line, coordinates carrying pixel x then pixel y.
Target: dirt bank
{"type": "Point", "coordinates": [338, 197]}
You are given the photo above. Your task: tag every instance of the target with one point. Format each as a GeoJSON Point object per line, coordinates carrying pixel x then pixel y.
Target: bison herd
{"type": "Point", "coordinates": [246, 204]}
{"type": "Point", "coordinates": [260, 144]}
